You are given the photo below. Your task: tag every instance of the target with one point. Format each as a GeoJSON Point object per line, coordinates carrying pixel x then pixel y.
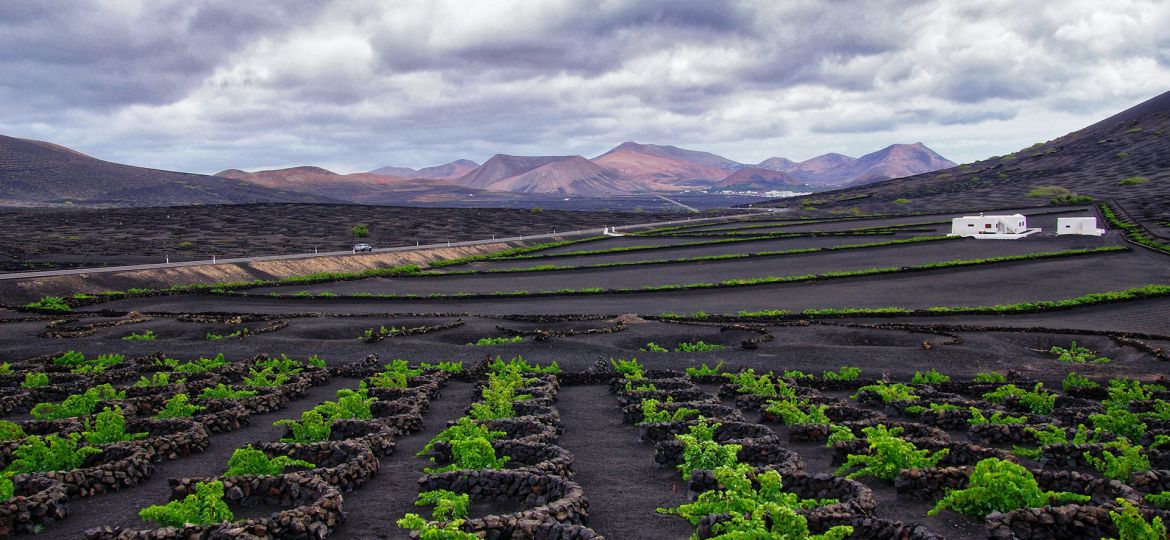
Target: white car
{"type": "Point", "coordinates": [362, 247]}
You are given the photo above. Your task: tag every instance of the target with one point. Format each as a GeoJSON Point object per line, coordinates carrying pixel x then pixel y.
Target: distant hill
{"type": "Point", "coordinates": [365, 188]}
{"type": "Point", "coordinates": [834, 169]}
{"type": "Point", "coordinates": [37, 173]}
{"type": "Point", "coordinates": [757, 179]}
{"type": "Point", "coordinates": [446, 171]}
{"type": "Point", "coordinates": [547, 174]}
{"type": "Point", "coordinates": [665, 167]}
{"type": "Point", "coordinates": [1092, 161]}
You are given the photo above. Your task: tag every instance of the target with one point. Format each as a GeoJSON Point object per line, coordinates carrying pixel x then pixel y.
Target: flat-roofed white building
{"type": "Point", "coordinates": [1078, 225]}
{"type": "Point", "coordinates": [992, 227]}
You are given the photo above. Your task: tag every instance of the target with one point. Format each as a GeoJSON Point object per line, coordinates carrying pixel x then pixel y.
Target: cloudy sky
{"type": "Point", "coordinates": [353, 85]}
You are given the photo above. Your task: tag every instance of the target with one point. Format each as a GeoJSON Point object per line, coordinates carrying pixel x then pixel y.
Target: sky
{"type": "Point", "coordinates": [353, 85]}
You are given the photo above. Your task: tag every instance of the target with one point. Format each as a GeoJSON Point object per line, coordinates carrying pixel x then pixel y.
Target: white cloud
{"type": "Point", "coordinates": [356, 85]}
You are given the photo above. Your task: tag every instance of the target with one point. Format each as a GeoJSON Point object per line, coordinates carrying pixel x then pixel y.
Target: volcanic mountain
{"type": "Point", "coordinates": [446, 171]}
{"type": "Point", "coordinates": [757, 179]}
{"type": "Point", "coordinates": [36, 173]}
{"type": "Point", "coordinates": [366, 188]}
{"type": "Point", "coordinates": [893, 161]}
{"type": "Point", "coordinates": [1131, 146]}
{"type": "Point", "coordinates": [665, 167]}
{"type": "Point", "coordinates": [546, 174]}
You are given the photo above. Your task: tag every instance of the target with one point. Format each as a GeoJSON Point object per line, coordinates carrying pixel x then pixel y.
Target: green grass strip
{"type": "Point", "coordinates": [1092, 299]}
{"type": "Point", "coordinates": [731, 283]}
{"type": "Point", "coordinates": [1133, 232]}
{"type": "Point", "coordinates": [511, 252]}
{"type": "Point", "coordinates": [706, 258]}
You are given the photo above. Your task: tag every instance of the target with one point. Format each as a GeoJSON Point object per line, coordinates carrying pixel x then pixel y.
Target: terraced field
{"type": "Point", "coordinates": [825, 352]}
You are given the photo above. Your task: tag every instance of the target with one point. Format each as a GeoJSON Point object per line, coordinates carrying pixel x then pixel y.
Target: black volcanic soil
{"type": "Point", "coordinates": [38, 239]}
{"type": "Point", "coordinates": [616, 471]}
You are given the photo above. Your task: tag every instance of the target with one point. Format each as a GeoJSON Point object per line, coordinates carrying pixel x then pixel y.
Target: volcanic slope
{"type": "Point", "coordinates": [1124, 159]}
{"type": "Point", "coordinates": [36, 173]}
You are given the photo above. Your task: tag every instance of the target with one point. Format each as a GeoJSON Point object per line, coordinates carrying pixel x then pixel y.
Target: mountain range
{"type": "Point", "coordinates": [40, 173]}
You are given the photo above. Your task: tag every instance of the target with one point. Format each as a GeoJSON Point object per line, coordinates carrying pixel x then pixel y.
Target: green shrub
{"type": "Point", "coordinates": [697, 346]}
{"type": "Point", "coordinates": [651, 414]}
{"type": "Point", "coordinates": [35, 380]}
{"type": "Point", "coordinates": [449, 367]}
{"type": "Point", "coordinates": [519, 365]}
{"type": "Point", "coordinates": [839, 433]}
{"type": "Point", "coordinates": [266, 378]}
{"type": "Point", "coordinates": [797, 374]}
{"type": "Point", "coordinates": [997, 418]}
{"type": "Point", "coordinates": [700, 451]}
{"type": "Point", "coordinates": [1160, 500]}
{"type": "Point", "coordinates": [630, 369]}
{"type": "Point", "coordinates": [901, 201]}
{"type": "Point", "coordinates": [76, 405]}
{"type": "Point", "coordinates": [490, 341]}
{"type": "Point", "coordinates": [145, 336]}
{"type": "Point", "coordinates": [360, 230]}
{"type": "Point", "coordinates": [282, 364]}
{"type": "Point", "coordinates": [178, 407]}
{"type": "Point", "coordinates": [160, 378]}
{"type": "Point", "coordinates": [1038, 401]}
{"type": "Point", "coordinates": [311, 428]}
{"type": "Point", "coordinates": [1049, 191]}
{"type": "Point", "coordinates": [198, 366]}
{"type": "Point", "coordinates": [222, 391]}
{"type": "Point", "coordinates": [250, 461]}
{"type": "Point", "coordinates": [448, 505]}
{"type": "Point", "coordinates": [1000, 486]}
{"type": "Point", "coordinates": [49, 453]}
{"type": "Point", "coordinates": [844, 373]}
{"type": "Point", "coordinates": [475, 453]}
{"type": "Point", "coordinates": [54, 304]}
{"type": "Point", "coordinates": [747, 382]}
{"type": "Point", "coordinates": [1133, 181]}
{"type": "Point", "coordinates": [109, 427]}
{"type": "Point", "coordinates": [989, 377]}
{"type": "Point", "coordinates": [204, 507]}
{"type": "Point", "coordinates": [654, 347]}
{"type": "Point", "coordinates": [425, 530]}
{"type": "Point", "coordinates": [1132, 526]}
{"type": "Point", "coordinates": [1075, 381]}
{"type": "Point", "coordinates": [889, 392]}
{"type": "Point", "coordinates": [11, 431]}
{"type": "Point", "coordinates": [888, 455]}
{"type": "Point", "coordinates": [930, 377]}
{"type": "Point", "coordinates": [349, 404]}
{"type": "Point", "coordinates": [464, 428]}
{"type": "Point", "coordinates": [316, 362]}
{"type": "Point", "coordinates": [1120, 422]}
{"type": "Point", "coordinates": [1121, 465]}
{"type": "Point", "coordinates": [792, 411]}
{"type": "Point", "coordinates": [705, 371]}
{"type": "Point", "coordinates": [772, 511]}
{"type": "Point", "coordinates": [1077, 354]}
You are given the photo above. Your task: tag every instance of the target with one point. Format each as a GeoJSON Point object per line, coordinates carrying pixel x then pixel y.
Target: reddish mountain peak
{"type": "Point", "coordinates": [673, 152]}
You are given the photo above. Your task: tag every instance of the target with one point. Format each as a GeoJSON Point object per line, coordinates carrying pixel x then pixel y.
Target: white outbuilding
{"type": "Point", "coordinates": [1078, 225]}
{"type": "Point", "coordinates": [992, 227]}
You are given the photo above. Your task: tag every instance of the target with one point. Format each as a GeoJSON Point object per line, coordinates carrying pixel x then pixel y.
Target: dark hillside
{"type": "Point", "coordinates": [35, 173]}
{"type": "Point", "coordinates": [1124, 159]}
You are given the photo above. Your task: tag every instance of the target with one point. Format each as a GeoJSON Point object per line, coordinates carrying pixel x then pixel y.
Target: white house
{"type": "Point", "coordinates": [1078, 225]}
{"type": "Point", "coordinates": [992, 227]}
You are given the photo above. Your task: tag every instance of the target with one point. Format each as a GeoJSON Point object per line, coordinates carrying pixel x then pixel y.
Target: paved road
{"type": "Point", "coordinates": [107, 269]}
{"type": "Point", "coordinates": [692, 209]}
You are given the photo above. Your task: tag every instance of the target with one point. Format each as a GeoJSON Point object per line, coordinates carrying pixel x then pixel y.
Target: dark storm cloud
{"type": "Point", "coordinates": [77, 54]}
{"type": "Point", "coordinates": [362, 83]}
